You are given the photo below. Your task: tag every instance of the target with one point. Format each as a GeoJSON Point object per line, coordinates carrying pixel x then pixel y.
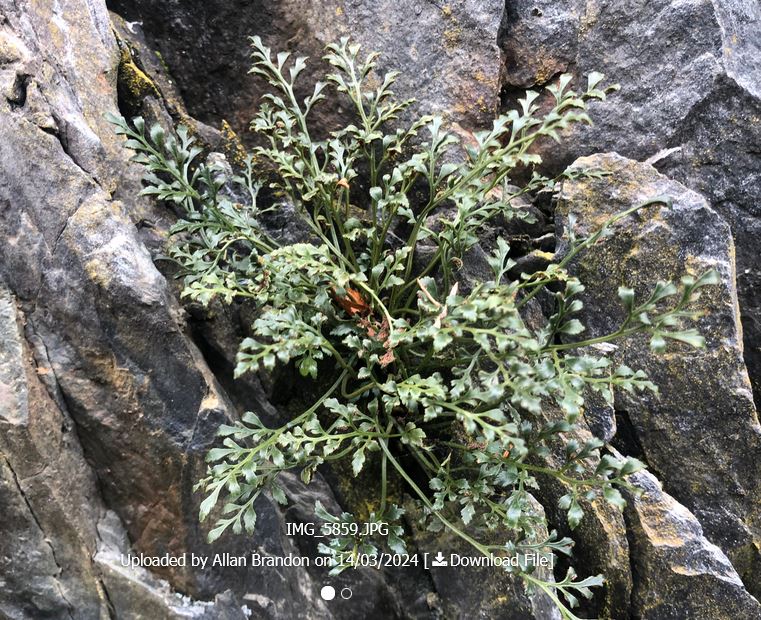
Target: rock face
{"type": "Point", "coordinates": [690, 97]}
{"type": "Point", "coordinates": [118, 407]}
{"type": "Point", "coordinates": [48, 525]}
{"type": "Point", "coordinates": [601, 543]}
{"type": "Point", "coordinates": [705, 449]}
{"type": "Point", "coordinates": [114, 367]}
{"type": "Point", "coordinates": [673, 562]}
{"type": "Point", "coordinates": [110, 393]}
{"type": "Point", "coordinates": [61, 552]}
{"type": "Point", "coordinates": [447, 53]}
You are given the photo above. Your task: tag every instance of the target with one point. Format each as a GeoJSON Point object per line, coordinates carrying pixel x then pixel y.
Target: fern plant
{"type": "Point", "coordinates": [421, 365]}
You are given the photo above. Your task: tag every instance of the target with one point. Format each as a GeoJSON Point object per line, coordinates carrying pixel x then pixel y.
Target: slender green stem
{"type": "Point", "coordinates": [549, 590]}
{"type": "Point", "coordinates": [384, 472]}
{"type": "Point", "coordinates": [593, 239]}
{"type": "Point", "coordinates": [621, 333]}
{"type": "Point", "coordinates": [424, 498]}
{"type": "Point", "coordinates": [290, 424]}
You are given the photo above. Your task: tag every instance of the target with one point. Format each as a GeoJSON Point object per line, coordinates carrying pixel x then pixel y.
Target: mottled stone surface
{"type": "Point", "coordinates": [138, 399]}
{"type": "Point", "coordinates": [61, 551]}
{"type": "Point", "coordinates": [480, 592]}
{"type": "Point", "coordinates": [447, 52]}
{"type": "Point", "coordinates": [701, 434]}
{"type": "Point", "coordinates": [679, 573]}
{"type": "Point", "coordinates": [134, 404]}
{"type": "Point", "coordinates": [110, 395]}
{"type": "Point", "coordinates": [47, 491]}
{"type": "Point", "coordinates": [135, 594]}
{"type": "Point", "coordinates": [601, 544]}
{"type": "Point", "coordinates": [690, 76]}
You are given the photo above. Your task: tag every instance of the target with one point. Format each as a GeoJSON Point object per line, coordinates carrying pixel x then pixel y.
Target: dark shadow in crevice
{"type": "Point", "coordinates": [17, 95]}
{"type": "Point", "coordinates": [626, 440]}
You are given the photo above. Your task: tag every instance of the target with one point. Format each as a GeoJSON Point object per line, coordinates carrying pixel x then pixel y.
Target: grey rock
{"type": "Point", "coordinates": [58, 557]}
{"type": "Point", "coordinates": [14, 397]}
{"type": "Point", "coordinates": [29, 570]}
{"type": "Point", "coordinates": [679, 573]}
{"type": "Point", "coordinates": [701, 434]}
{"type": "Point", "coordinates": [139, 398]}
{"type": "Point", "coordinates": [725, 166]}
{"type": "Point", "coordinates": [372, 591]}
{"type": "Point", "coordinates": [601, 544]}
{"type": "Point", "coordinates": [107, 397]}
{"type": "Point", "coordinates": [498, 594]}
{"type": "Point", "coordinates": [127, 380]}
{"type": "Point", "coordinates": [690, 98]}
{"type": "Point", "coordinates": [534, 261]}
{"type": "Point", "coordinates": [599, 416]}
{"type": "Point", "coordinates": [135, 594]}
{"type": "Point", "coordinates": [48, 493]}
{"type": "Point", "coordinates": [447, 52]}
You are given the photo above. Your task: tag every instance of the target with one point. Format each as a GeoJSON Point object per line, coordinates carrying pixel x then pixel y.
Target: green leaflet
{"type": "Point", "coordinates": [410, 363]}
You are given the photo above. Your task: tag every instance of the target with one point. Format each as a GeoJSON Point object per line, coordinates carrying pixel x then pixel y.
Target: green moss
{"type": "Point", "coordinates": [745, 560]}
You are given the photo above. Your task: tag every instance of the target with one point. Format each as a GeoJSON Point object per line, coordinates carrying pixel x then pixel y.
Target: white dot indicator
{"type": "Point", "coordinates": [328, 593]}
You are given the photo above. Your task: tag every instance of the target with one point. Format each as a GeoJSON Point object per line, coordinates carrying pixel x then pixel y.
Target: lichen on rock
{"type": "Point", "coordinates": [701, 434]}
{"type": "Point", "coordinates": [111, 390]}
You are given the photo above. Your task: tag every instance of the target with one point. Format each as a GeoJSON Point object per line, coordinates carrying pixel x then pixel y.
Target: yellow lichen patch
{"type": "Point", "coordinates": [544, 74]}
{"type": "Point", "coordinates": [91, 215]}
{"type": "Point", "coordinates": [589, 17]}
{"type": "Point", "coordinates": [355, 495]}
{"type": "Point", "coordinates": [97, 272]}
{"type": "Point", "coordinates": [452, 37]}
{"type": "Point", "coordinates": [233, 147]}
{"type": "Point", "coordinates": [685, 570]}
{"type": "Point", "coordinates": [453, 33]}
{"type": "Point", "coordinates": [491, 82]}
{"type": "Point", "coordinates": [482, 105]}
{"type": "Point", "coordinates": [162, 62]}
{"type": "Point", "coordinates": [661, 532]}
{"type": "Point", "coordinates": [211, 401]}
{"type": "Point", "coordinates": [134, 85]}
{"type": "Point", "coordinates": [542, 254]}
{"type": "Point", "coordinates": [460, 108]}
